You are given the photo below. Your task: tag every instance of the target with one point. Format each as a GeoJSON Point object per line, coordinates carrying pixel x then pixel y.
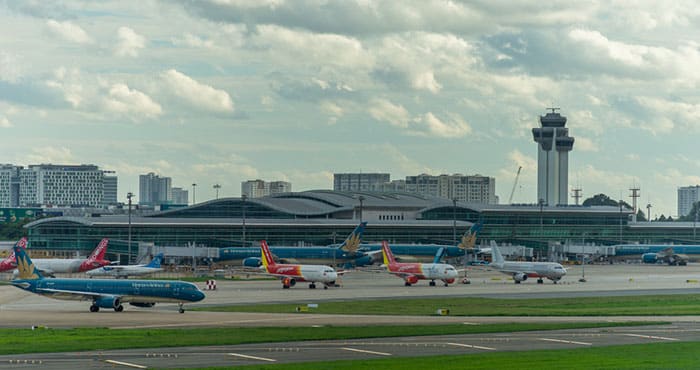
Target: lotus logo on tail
{"type": "Point", "coordinates": [26, 270]}
{"type": "Point", "coordinates": [353, 243]}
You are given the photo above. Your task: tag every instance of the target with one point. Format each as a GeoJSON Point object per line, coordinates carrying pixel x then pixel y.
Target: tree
{"type": "Point", "coordinates": [641, 216]}
{"type": "Point", "coordinates": [603, 200]}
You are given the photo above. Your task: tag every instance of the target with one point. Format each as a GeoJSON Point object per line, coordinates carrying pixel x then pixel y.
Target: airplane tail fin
{"type": "Point", "coordinates": [99, 253]}
{"type": "Point", "coordinates": [267, 259]}
{"type": "Point", "coordinates": [25, 267]}
{"type": "Point", "coordinates": [352, 242]}
{"type": "Point", "coordinates": [388, 255]}
{"type": "Point", "coordinates": [469, 238]}
{"type": "Point", "coordinates": [497, 257]}
{"type": "Point", "coordinates": [156, 261]}
{"type": "Point", "coordinates": [22, 243]}
{"type": "Point", "coordinates": [438, 256]}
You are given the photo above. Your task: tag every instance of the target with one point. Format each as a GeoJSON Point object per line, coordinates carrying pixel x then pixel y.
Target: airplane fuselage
{"type": "Point", "coordinates": [522, 270]}
{"type": "Point", "coordinates": [124, 271]}
{"type": "Point", "coordinates": [301, 273]}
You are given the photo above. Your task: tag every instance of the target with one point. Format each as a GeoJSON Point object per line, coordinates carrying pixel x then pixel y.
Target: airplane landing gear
{"type": "Point", "coordinates": [312, 286]}
{"type": "Point", "coordinates": [181, 310]}
{"type": "Point", "coordinates": [540, 281]}
{"type": "Point", "coordinates": [432, 283]}
{"type": "Point", "coordinates": [407, 283]}
{"type": "Point", "coordinates": [119, 308]}
{"type": "Point", "coordinates": [94, 308]}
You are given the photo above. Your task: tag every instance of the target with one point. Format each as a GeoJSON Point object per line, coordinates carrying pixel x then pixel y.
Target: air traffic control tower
{"type": "Point", "coordinates": [554, 145]}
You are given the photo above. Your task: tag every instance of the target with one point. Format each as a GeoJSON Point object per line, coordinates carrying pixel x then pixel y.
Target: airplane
{"type": "Point", "coordinates": [412, 272]}
{"type": "Point", "coordinates": [666, 255]}
{"type": "Point", "coordinates": [520, 271]}
{"type": "Point", "coordinates": [346, 253]}
{"type": "Point", "coordinates": [290, 274]}
{"type": "Point", "coordinates": [103, 293]}
{"type": "Point", "coordinates": [128, 270]}
{"type": "Point", "coordinates": [52, 266]}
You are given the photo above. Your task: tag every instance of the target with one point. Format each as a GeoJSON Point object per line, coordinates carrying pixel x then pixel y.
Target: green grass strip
{"type": "Point", "coordinates": [15, 341]}
{"type": "Point", "coordinates": [681, 304]}
{"type": "Point", "coordinates": [684, 355]}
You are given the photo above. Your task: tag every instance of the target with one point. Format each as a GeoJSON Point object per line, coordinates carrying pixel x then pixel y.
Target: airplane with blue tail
{"type": "Point", "coordinates": [104, 293]}
{"type": "Point", "coordinates": [346, 253]}
{"type": "Point", "coordinates": [124, 271]}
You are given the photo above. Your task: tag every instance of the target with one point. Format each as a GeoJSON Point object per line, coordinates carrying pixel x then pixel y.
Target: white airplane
{"type": "Point", "coordinates": [124, 271]}
{"type": "Point", "coordinates": [520, 271]}
{"type": "Point", "coordinates": [51, 266]}
{"type": "Point", "coordinates": [290, 274]}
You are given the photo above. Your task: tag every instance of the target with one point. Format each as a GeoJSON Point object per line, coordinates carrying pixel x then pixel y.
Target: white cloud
{"type": "Point", "coordinates": [585, 144]}
{"type": "Point", "coordinates": [191, 40]}
{"type": "Point", "coordinates": [69, 82]}
{"type": "Point", "coordinates": [129, 43]}
{"type": "Point", "coordinates": [384, 110]}
{"type": "Point", "coordinates": [334, 110]}
{"type": "Point", "coordinates": [5, 122]}
{"type": "Point", "coordinates": [198, 94]}
{"type": "Point", "coordinates": [426, 80]}
{"type": "Point", "coordinates": [10, 67]}
{"type": "Point", "coordinates": [131, 102]}
{"type": "Point", "coordinates": [51, 154]}
{"type": "Point", "coordinates": [455, 127]}
{"type": "Point", "coordinates": [69, 31]}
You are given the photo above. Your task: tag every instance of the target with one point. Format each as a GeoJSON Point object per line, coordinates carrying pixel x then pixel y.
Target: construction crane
{"type": "Point", "coordinates": [515, 184]}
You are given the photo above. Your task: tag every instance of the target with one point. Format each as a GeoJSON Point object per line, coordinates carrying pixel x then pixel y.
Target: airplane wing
{"type": "Point", "coordinates": [70, 294]}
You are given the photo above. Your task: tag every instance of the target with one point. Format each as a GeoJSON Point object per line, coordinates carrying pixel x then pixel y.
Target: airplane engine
{"type": "Point", "coordinates": [108, 302]}
{"type": "Point", "coordinates": [252, 262]}
{"type": "Point", "coordinates": [448, 281]}
{"type": "Point", "coordinates": [519, 277]}
{"type": "Point", "coordinates": [412, 279]}
{"type": "Point", "coordinates": [288, 282]}
{"type": "Point", "coordinates": [649, 258]}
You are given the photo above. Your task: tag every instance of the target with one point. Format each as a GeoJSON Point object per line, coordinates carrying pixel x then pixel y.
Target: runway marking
{"type": "Point", "coordinates": [471, 346]}
{"type": "Point", "coordinates": [649, 337]}
{"type": "Point", "coordinates": [365, 351]}
{"type": "Point", "coordinates": [565, 341]}
{"type": "Point", "coordinates": [252, 357]}
{"type": "Point", "coordinates": [127, 364]}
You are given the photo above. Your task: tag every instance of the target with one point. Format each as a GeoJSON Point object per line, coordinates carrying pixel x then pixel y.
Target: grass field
{"type": "Point", "coordinates": [15, 341]}
{"type": "Point", "coordinates": [682, 304]}
{"type": "Point", "coordinates": [685, 355]}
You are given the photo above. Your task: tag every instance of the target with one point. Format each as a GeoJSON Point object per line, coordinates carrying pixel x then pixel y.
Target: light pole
{"type": "Point", "coordinates": [361, 199]}
{"type": "Point", "coordinates": [695, 219]}
{"type": "Point", "coordinates": [620, 221]}
{"type": "Point", "coordinates": [649, 212]}
{"type": "Point", "coordinates": [217, 187]}
{"type": "Point", "coordinates": [454, 221]}
{"type": "Point", "coordinates": [243, 198]}
{"type": "Point", "coordinates": [129, 195]}
{"type": "Point", "coordinates": [194, 195]}
{"type": "Point", "coordinates": [541, 203]}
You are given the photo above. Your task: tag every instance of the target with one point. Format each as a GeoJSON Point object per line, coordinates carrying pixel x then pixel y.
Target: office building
{"type": "Point", "coordinates": [9, 185]}
{"type": "Point", "coordinates": [180, 196]}
{"type": "Point", "coordinates": [259, 188]}
{"type": "Point", "coordinates": [61, 185]}
{"type": "Point", "coordinates": [154, 190]}
{"type": "Point", "coordinates": [359, 181]}
{"type": "Point", "coordinates": [474, 189]}
{"type": "Point", "coordinates": [687, 196]}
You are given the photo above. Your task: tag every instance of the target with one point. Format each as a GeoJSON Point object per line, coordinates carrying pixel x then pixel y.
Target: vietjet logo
{"type": "Point", "coordinates": [406, 267]}
{"type": "Point", "coordinates": [284, 270]}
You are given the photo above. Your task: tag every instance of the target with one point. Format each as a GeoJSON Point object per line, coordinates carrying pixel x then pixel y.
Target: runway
{"type": "Point", "coordinates": [23, 310]}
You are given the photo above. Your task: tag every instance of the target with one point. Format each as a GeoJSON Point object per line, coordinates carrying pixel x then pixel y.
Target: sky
{"type": "Point", "coordinates": [224, 91]}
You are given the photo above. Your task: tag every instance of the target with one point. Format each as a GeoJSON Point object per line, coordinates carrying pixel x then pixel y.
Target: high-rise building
{"type": "Point", "coordinates": [9, 185]}
{"type": "Point", "coordinates": [687, 196]}
{"type": "Point", "coordinates": [110, 188]}
{"type": "Point", "coordinates": [180, 196]}
{"type": "Point", "coordinates": [155, 190]}
{"type": "Point", "coordinates": [359, 181]}
{"type": "Point", "coordinates": [553, 147]}
{"type": "Point", "coordinates": [259, 188]}
{"type": "Point", "coordinates": [61, 185]}
{"type": "Point", "coordinates": [474, 189]}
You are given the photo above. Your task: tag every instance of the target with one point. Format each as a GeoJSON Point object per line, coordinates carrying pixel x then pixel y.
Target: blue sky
{"type": "Point", "coordinates": [223, 91]}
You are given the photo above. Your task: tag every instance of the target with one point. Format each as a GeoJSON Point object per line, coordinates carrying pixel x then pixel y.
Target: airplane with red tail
{"type": "Point", "coordinates": [51, 266]}
{"type": "Point", "coordinates": [412, 272]}
{"type": "Point", "coordinates": [291, 274]}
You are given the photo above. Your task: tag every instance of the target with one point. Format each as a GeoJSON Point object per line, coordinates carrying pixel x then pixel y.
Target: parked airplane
{"type": "Point", "coordinates": [345, 254]}
{"type": "Point", "coordinates": [103, 293]}
{"type": "Point", "coordinates": [125, 271]}
{"type": "Point", "coordinates": [412, 272]}
{"type": "Point", "coordinates": [666, 255]}
{"type": "Point", "coordinates": [520, 271]}
{"type": "Point", "coordinates": [52, 266]}
{"type": "Point", "coordinates": [291, 274]}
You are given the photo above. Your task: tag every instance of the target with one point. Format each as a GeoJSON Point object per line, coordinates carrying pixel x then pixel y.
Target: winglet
{"type": "Point", "coordinates": [25, 266]}
{"type": "Point", "coordinates": [352, 242]}
{"type": "Point", "coordinates": [386, 252]}
{"type": "Point", "coordinates": [497, 257]}
{"type": "Point", "coordinates": [267, 259]}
